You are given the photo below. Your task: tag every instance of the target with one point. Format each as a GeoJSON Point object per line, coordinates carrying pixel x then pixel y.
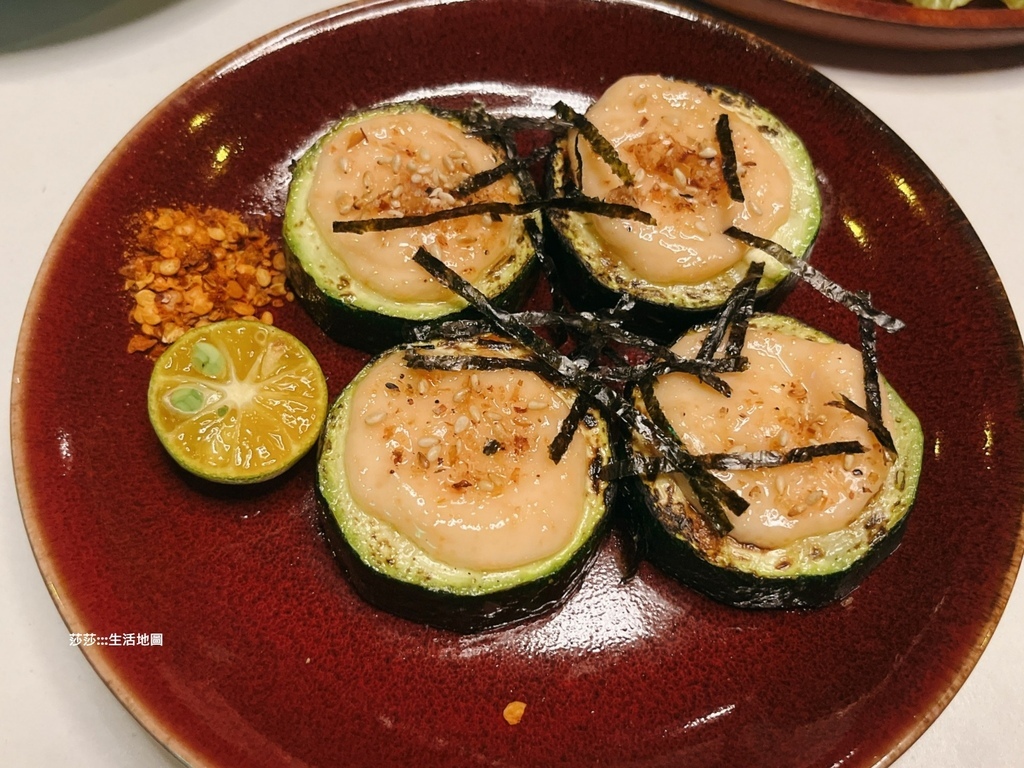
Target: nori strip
{"type": "Point", "coordinates": [469, 362]}
{"type": "Point", "coordinates": [745, 308]}
{"type": "Point", "coordinates": [729, 167]}
{"type": "Point", "coordinates": [651, 466]}
{"type": "Point", "coordinates": [483, 179]}
{"type": "Point", "coordinates": [738, 306]}
{"type": "Point", "coordinates": [824, 285]}
{"type": "Point", "coordinates": [560, 444]}
{"type": "Point", "coordinates": [496, 207]}
{"type": "Point", "coordinates": [758, 459]}
{"type": "Point", "coordinates": [600, 144]}
{"type": "Point", "coordinates": [878, 429]}
{"type": "Point", "coordinates": [872, 388]}
{"type": "Point", "coordinates": [653, 406]}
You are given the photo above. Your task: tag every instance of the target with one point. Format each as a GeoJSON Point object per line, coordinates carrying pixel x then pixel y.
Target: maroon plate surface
{"type": "Point", "coordinates": [268, 658]}
{"type": "Point", "coordinates": [890, 23]}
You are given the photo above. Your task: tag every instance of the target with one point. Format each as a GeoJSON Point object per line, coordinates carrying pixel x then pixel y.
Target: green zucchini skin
{"type": "Point", "coordinates": [664, 311]}
{"type": "Point", "coordinates": [673, 550]}
{"type": "Point", "coordinates": [680, 543]}
{"type": "Point", "coordinates": [463, 614]}
{"type": "Point", "coordinates": [372, 331]}
{"type": "Point", "coordinates": [395, 584]}
{"type": "Point", "coordinates": [357, 317]}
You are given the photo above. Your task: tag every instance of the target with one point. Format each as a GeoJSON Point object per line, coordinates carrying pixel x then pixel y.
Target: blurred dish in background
{"type": "Point", "coordinates": [889, 23]}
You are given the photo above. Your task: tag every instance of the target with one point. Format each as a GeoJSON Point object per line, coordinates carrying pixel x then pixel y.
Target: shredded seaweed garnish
{"type": "Point", "coordinates": [599, 143]}
{"type": "Point", "coordinates": [468, 362]}
{"type": "Point", "coordinates": [730, 169]}
{"type": "Point", "coordinates": [728, 462]}
{"type": "Point", "coordinates": [872, 386]}
{"type": "Point", "coordinates": [478, 181]}
{"type": "Point", "coordinates": [817, 280]}
{"type": "Point", "coordinates": [878, 429]}
{"type": "Point", "coordinates": [714, 496]}
{"type": "Point", "coordinates": [580, 204]}
{"type": "Point", "coordinates": [567, 429]}
{"type": "Point", "coordinates": [735, 315]}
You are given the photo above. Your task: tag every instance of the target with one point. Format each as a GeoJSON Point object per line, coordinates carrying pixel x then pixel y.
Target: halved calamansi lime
{"type": "Point", "coordinates": [237, 401]}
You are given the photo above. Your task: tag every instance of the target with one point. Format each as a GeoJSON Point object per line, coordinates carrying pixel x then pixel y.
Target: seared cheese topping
{"type": "Point", "coordinates": [458, 463]}
{"type": "Point", "coordinates": [665, 132]}
{"type": "Point", "coordinates": [406, 164]}
{"type": "Point", "coordinates": [779, 403]}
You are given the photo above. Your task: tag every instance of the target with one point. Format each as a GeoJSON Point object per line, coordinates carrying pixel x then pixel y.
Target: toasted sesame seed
{"type": "Point", "coordinates": [754, 207]}
{"type": "Point", "coordinates": [640, 175]}
{"type": "Point", "coordinates": [780, 484]}
{"type": "Point", "coordinates": [474, 382]}
{"type": "Point", "coordinates": [434, 453]}
{"type": "Point", "coordinates": [345, 165]}
{"type": "Point", "coordinates": [427, 442]}
{"type": "Point", "coordinates": [537, 405]}
{"type": "Point", "coordinates": [706, 153]}
{"type": "Point", "coordinates": [784, 438]}
{"type": "Point", "coordinates": [460, 396]}
{"type": "Point", "coordinates": [848, 461]}
{"type": "Point", "coordinates": [492, 415]}
{"type": "Point", "coordinates": [448, 163]}
{"type": "Point", "coordinates": [474, 413]}
{"type": "Point", "coordinates": [374, 418]}
{"type": "Point", "coordinates": [485, 485]}
{"type": "Point", "coordinates": [680, 177]}
{"type": "Point", "coordinates": [397, 191]}
{"type": "Point", "coordinates": [416, 178]}
{"type": "Point", "coordinates": [396, 163]}
{"type": "Point", "coordinates": [423, 154]}
{"type": "Point", "coordinates": [461, 424]}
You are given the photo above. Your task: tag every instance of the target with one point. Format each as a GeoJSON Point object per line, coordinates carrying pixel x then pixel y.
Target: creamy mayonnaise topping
{"type": "Point", "coordinates": [401, 165]}
{"type": "Point", "coordinates": [458, 463]}
{"type": "Point", "coordinates": [779, 403]}
{"type": "Point", "coordinates": [665, 132]}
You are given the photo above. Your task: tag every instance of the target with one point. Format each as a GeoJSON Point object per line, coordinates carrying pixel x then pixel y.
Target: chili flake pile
{"type": "Point", "coordinates": [190, 267]}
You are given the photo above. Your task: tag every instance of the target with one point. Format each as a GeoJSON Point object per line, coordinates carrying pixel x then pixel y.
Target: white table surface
{"type": "Point", "coordinates": [76, 75]}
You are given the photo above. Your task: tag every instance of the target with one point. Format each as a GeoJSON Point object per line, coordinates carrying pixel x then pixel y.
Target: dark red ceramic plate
{"type": "Point", "coordinates": [890, 23]}
{"type": "Point", "coordinates": [268, 658]}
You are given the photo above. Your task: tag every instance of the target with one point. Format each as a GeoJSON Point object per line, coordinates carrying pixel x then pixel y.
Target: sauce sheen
{"type": "Point", "coordinates": [779, 403]}
{"type": "Point", "coordinates": [458, 463]}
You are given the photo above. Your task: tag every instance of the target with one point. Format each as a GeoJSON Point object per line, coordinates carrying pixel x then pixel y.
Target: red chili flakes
{"type": "Point", "coordinates": [190, 267]}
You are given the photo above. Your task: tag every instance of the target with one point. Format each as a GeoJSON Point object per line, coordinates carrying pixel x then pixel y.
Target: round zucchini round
{"type": "Point", "coordinates": [381, 158]}
{"type": "Point", "coordinates": [472, 554]}
{"type": "Point", "coordinates": [808, 572]}
{"type": "Point", "coordinates": [679, 167]}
